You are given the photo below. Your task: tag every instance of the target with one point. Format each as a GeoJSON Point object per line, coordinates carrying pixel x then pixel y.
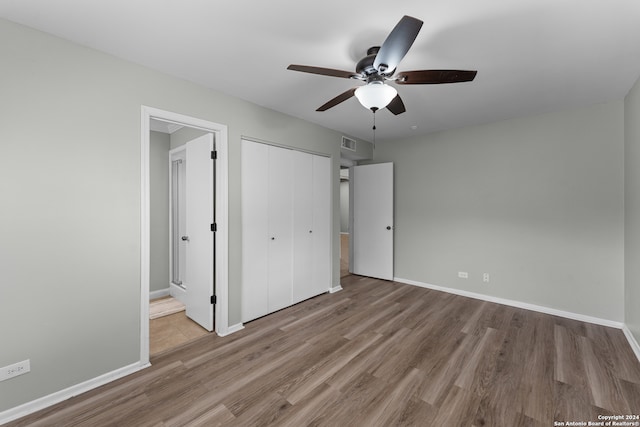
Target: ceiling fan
{"type": "Point", "coordinates": [379, 66]}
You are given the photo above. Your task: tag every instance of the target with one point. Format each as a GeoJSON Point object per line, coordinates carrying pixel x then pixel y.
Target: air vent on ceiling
{"type": "Point", "coordinates": [348, 144]}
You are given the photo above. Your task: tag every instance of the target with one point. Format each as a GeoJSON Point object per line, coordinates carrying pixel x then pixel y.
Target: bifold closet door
{"type": "Point", "coordinates": [321, 224]}
{"type": "Point", "coordinates": [280, 218]}
{"type": "Point", "coordinates": [303, 230]}
{"type": "Point", "coordinates": [311, 219]}
{"type": "Point", "coordinates": [286, 240]}
{"type": "Point", "coordinates": [255, 229]}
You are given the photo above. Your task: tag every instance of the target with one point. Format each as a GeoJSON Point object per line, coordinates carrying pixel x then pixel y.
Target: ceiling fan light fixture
{"type": "Point", "coordinates": [375, 95]}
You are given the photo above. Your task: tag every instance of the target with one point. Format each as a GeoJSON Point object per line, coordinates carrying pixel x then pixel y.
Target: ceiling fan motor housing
{"type": "Point", "coordinates": [365, 65]}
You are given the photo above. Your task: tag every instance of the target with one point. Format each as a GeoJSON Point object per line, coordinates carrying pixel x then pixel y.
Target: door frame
{"type": "Point", "coordinates": [221, 218]}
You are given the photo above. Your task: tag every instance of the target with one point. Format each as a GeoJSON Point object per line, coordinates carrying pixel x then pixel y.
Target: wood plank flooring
{"type": "Point", "coordinates": [376, 354]}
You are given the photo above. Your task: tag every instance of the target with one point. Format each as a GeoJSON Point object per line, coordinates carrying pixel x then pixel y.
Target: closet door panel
{"type": "Point", "coordinates": [302, 226]}
{"type": "Point", "coordinates": [255, 231]}
{"type": "Point", "coordinates": [280, 219]}
{"type": "Point", "coordinates": [321, 186]}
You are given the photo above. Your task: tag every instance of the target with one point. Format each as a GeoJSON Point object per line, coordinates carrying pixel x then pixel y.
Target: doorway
{"type": "Point", "coordinates": [344, 222]}
{"type": "Point", "coordinates": [181, 171]}
{"type": "Point", "coordinates": [216, 228]}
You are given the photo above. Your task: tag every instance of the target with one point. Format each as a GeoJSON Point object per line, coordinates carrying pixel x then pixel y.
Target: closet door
{"type": "Point", "coordinates": [303, 230]}
{"type": "Point", "coordinates": [255, 230]}
{"type": "Point", "coordinates": [321, 225]}
{"type": "Point", "coordinates": [280, 219]}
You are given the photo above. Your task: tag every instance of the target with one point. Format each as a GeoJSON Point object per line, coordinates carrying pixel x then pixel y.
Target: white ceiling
{"type": "Point", "coordinates": [532, 56]}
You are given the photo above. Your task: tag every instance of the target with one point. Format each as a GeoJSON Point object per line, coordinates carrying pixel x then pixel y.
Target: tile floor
{"type": "Point", "coordinates": [171, 331]}
{"type": "Point", "coordinates": [344, 255]}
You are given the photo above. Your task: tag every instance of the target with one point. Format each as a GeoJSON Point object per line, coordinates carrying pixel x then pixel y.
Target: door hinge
{"type": "Point", "coordinates": [214, 155]}
{"type": "Point", "coordinates": [214, 227]}
{"type": "Point", "coordinates": [214, 299]}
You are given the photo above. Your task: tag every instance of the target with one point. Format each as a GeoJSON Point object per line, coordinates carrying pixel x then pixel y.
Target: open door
{"type": "Point", "coordinates": [371, 240]}
{"type": "Point", "coordinates": [198, 278]}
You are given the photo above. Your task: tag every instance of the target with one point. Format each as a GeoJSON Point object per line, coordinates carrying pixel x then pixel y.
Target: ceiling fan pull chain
{"type": "Point", "coordinates": [374, 126]}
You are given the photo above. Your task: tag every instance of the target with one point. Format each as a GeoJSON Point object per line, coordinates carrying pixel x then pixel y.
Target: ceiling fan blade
{"type": "Point", "coordinates": [396, 106]}
{"type": "Point", "coordinates": [397, 44]}
{"type": "Point", "coordinates": [338, 99]}
{"type": "Point", "coordinates": [324, 71]}
{"type": "Point", "coordinates": [427, 77]}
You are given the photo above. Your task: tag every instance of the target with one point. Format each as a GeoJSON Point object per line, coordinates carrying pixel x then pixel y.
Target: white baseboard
{"type": "Point", "coordinates": [67, 393]}
{"type": "Point", "coordinates": [158, 294]}
{"type": "Point", "coordinates": [517, 304]}
{"type": "Point", "coordinates": [335, 289]}
{"type": "Point", "coordinates": [632, 341]}
{"type": "Point", "coordinates": [231, 329]}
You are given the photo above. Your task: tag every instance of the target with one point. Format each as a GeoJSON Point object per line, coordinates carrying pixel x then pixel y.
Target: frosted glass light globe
{"type": "Point", "coordinates": [375, 95]}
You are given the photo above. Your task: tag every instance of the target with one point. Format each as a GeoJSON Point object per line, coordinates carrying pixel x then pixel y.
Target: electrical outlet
{"type": "Point", "coordinates": [463, 274]}
{"type": "Point", "coordinates": [14, 370]}
{"type": "Point", "coordinates": [485, 277]}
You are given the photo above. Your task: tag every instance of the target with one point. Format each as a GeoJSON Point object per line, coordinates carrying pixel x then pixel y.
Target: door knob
{"type": "Point", "coordinates": [185, 238]}
{"type": "Point", "coordinates": [273, 238]}
{"type": "Point", "coordinates": [388, 227]}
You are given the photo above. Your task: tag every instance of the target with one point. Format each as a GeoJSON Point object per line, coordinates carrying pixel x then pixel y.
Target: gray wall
{"type": "Point", "coordinates": [536, 202]}
{"type": "Point", "coordinates": [70, 186]}
{"type": "Point", "coordinates": [632, 210]}
{"type": "Point", "coordinates": [159, 207]}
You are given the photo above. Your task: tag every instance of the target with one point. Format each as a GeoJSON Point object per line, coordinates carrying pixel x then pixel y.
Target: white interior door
{"type": "Point", "coordinates": [372, 220]}
{"type": "Point", "coordinates": [198, 278]}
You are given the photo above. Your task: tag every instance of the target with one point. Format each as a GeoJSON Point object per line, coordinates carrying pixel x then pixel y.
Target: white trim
{"type": "Point", "coordinates": [286, 147]}
{"type": "Point", "coordinates": [222, 214]}
{"type": "Point", "coordinates": [632, 341]}
{"type": "Point", "coordinates": [233, 328]}
{"type": "Point", "coordinates": [145, 233]}
{"type": "Point", "coordinates": [517, 304]}
{"type": "Point", "coordinates": [158, 294]}
{"type": "Point", "coordinates": [335, 289]}
{"type": "Point", "coordinates": [67, 393]}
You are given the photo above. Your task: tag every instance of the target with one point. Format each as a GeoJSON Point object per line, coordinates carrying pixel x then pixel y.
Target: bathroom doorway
{"type": "Point", "coordinates": [196, 152]}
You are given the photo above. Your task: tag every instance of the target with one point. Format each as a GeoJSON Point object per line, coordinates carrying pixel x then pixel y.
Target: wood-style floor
{"type": "Point", "coordinates": [376, 354]}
